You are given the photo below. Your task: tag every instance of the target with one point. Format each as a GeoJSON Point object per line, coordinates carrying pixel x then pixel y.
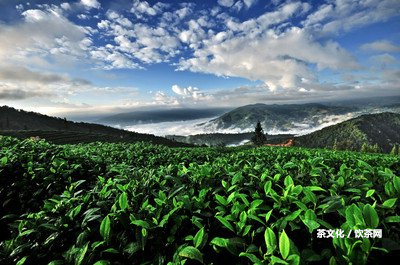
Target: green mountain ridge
{"type": "Point", "coordinates": [24, 124]}
{"type": "Point", "coordinates": [278, 117]}
{"type": "Point", "coordinates": [382, 129]}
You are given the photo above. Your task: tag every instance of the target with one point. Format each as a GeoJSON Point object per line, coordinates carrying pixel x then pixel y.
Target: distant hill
{"type": "Point", "coordinates": [381, 129]}
{"type": "Point", "coordinates": [161, 115]}
{"type": "Point", "coordinates": [24, 124]}
{"type": "Point", "coordinates": [279, 117]}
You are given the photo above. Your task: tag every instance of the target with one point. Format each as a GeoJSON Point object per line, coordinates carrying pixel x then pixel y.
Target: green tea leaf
{"type": "Point", "coordinates": [389, 203]}
{"type": "Point", "coordinates": [81, 254]}
{"type": "Point", "coordinates": [123, 201]}
{"type": "Point", "coordinates": [225, 223]}
{"type": "Point", "coordinates": [267, 216]}
{"type": "Point", "coordinates": [199, 238]}
{"type": "Point", "coordinates": [396, 183]}
{"type": "Point", "coordinates": [105, 228]}
{"type": "Point", "coordinates": [267, 187]}
{"type": "Point", "coordinates": [191, 253]}
{"type": "Point", "coordinates": [22, 261]}
{"type": "Point", "coordinates": [392, 219]}
{"type": "Point", "coordinates": [370, 216]}
{"type": "Point", "coordinates": [284, 245]}
{"type": "Point", "coordinates": [251, 257]}
{"type": "Point", "coordinates": [141, 223]}
{"type": "Point", "coordinates": [220, 242]}
{"type": "Point", "coordinates": [102, 262]}
{"type": "Point", "coordinates": [270, 240]}
{"type": "Point", "coordinates": [370, 193]}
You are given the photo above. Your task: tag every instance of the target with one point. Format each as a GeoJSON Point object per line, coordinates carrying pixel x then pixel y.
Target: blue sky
{"type": "Point", "coordinates": [89, 56]}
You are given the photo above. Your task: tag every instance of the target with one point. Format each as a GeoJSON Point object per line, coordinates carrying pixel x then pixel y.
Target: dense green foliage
{"type": "Point", "coordinates": [103, 203]}
{"type": "Point", "coordinates": [371, 133]}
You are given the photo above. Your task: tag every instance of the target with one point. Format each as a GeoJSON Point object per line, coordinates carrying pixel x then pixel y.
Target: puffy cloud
{"type": "Point", "coordinates": [137, 42]}
{"type": "Point", "coordinates": [278, 59]}
{"type": "Point", "coordinates": [65, 6]}
{"type": "Point", "coordinates": [160, 98]}
{"type": "Point", "coordinates": [19, 7]}
{"type": "Point", "coordinates": [381, 46]}
{"type": "Point", "coordinates": [249, 3]}
{"type": "Point", "coordinates": [44, 34]}
{"type": "Point", "coordinates": [226, 3]}
{"type": "Point", "coordinates": [190, 92]}
{"type": "Point", "coordinates": [83, 16]}
{"type": "Point", "coordinates": [109, 58]}
{"type": "Point", "coordinates": [34, 15]}
{"type": "Point", "coordinates": [143, 8]}
{"type": "Point", "coordinates": [90, 4]}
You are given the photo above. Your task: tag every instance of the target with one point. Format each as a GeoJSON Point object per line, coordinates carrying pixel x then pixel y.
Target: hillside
{"type": "Point", "coordinates": [382, 129]}
{"type": "Point", "coordinates": [23, 124]}
{"type": "Point", "coordinates": [279, 117]}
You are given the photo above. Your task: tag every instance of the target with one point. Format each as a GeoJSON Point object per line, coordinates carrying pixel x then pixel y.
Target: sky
{"type": "Point", "coordinates": [91, 56]}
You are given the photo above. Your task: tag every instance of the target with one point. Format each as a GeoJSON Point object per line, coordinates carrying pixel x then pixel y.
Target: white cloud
{"type": "Point", "coordinates": [34, 15]}
{"type": "Point", "coordinates": [91, 4]}
{"type": "Point", "coordinates": [109, 58]}
{"type": "Point", "coordinates": [65, 6]}
{"type": "Point", "coordinates": [139, 41]}
{"type": "Point", "coordinates": [43, 35]}
{"type": "Point", "coordinates": [381, 46]}
{"type": "Point", "coordinates": [190, 92]}
{"type": "Point", "coordinates": [19, 7]}
{"type": "Point", "coordinates": [83, 16]}
{"type": "Point", "coordinates": [226, 3]}
{"type": "Point", "coordinates": [249, 3]}
{"type": "Point", "coordinates": [142, 8]}
{"type": "Point", "coordinates": [383, 60]}
{"type": "Point", "coordinates": [278, 59]}
{"type": "Point", "coordinates": [160, 98]}
{"type": "Point", "coordinates": [20, 83]}
{"type": "Point", "coordinates": [340, 15]}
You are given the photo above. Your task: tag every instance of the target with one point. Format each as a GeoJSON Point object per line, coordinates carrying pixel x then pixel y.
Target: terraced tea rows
{"type": "Point", "coordinates": [113, 203]}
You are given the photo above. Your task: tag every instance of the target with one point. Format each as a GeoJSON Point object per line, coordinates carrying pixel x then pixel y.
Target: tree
{"type": "Point", "coordinates": [393, 151]}
{"type": "Point", "coordinates": [364, 147]}
{"type": "Point", "coordinates": [259, 137]}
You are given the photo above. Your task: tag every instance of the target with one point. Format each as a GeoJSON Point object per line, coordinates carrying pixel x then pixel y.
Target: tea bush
{"type": "Point", "coordinates": [115, 203]}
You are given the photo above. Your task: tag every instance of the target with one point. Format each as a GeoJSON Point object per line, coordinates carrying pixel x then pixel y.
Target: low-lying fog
{"type": "Point", "coordinates": [201, 126]}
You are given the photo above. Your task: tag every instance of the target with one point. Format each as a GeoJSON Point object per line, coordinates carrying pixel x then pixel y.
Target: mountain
{"type": "Point", "coordinates": [25, 124]}
{"type": "Point", "coordinates": [382, 129]}
{"type": "Point", "coordinates": [161, 115]}
{"type": "Point", "coordinates": [279, 117]}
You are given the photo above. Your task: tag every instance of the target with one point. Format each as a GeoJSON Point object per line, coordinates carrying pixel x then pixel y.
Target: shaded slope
{"type": "Point", "coordinates": [382, 129]}
{"type": "Point", "coordinates": [25, 124]}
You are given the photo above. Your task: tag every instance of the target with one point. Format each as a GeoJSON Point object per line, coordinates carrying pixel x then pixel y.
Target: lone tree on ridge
{"type": "Point", "coordinates": [259, 137]}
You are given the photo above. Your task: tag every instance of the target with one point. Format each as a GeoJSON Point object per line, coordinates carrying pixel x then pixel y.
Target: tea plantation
{"type": "Point", "coordinates": [116, 203]}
